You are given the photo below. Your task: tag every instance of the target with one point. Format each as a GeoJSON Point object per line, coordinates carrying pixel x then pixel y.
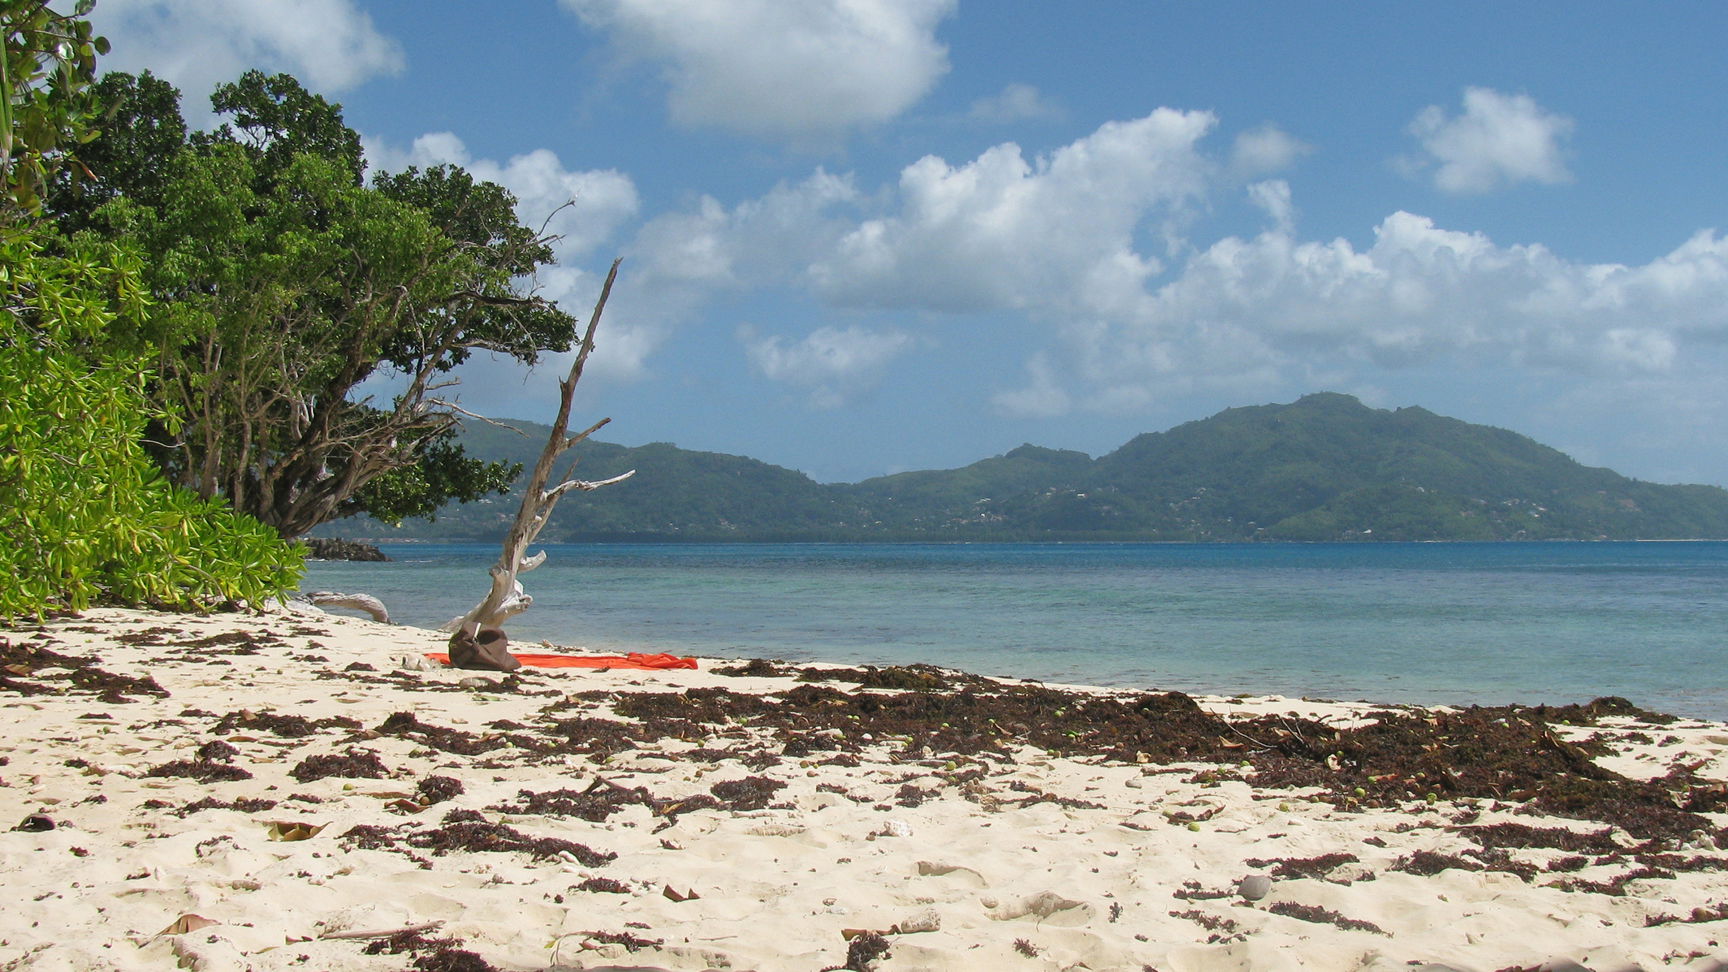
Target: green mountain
{"type": "Point", "coordinates": [1326, 467]}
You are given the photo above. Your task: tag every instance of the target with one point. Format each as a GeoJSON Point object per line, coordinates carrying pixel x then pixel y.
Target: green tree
{"type": "Point", "coordinates": [290, 290]}
{"type": "Point", "coordinates": [86, 515]}
{"type": "Point", "coordinates": [45, 96]}
{"type": "Point", "coordinates": [140, 133]}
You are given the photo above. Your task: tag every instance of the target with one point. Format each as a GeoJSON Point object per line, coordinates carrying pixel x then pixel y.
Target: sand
{"type": "Point", "coordinates": [1011, 859]}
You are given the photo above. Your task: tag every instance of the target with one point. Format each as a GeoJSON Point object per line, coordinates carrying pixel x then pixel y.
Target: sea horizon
{"type": "Point", "coordinates": [1460, 623]}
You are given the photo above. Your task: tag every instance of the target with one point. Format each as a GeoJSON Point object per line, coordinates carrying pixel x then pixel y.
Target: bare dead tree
{"type": "Point", "coordinates": [506, 599]}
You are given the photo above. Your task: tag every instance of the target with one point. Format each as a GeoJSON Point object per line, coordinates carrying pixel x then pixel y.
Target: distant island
{"type": "Point", "coordinates": [1324, 468]}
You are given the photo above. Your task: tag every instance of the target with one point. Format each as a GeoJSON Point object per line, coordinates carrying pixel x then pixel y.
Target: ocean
{"type": "Point", "coordinates": [1454, 623]}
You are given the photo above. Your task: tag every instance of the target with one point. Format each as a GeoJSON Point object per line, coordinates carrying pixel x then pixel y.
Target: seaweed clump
{"type": "Point", "coordinates": [242, 805]}
{"type": "Point", "coordinates": [467, 834]}
{"type": "Point", "coordinates": [430, 954]}
{"type": "Point", "coordinates": [1319, 915]}
{"type": "Point", "coordinates": [602, 799]}
{"type": "Point", "coordinates": [749, 793]}
{"type": "Point", "coordinates": [358, 764]}
{"type": "Point", "coordinates": [202, 770]}
{"type": "Point", "coordinates": [1304, 867]}
{"type": "Point", "coordinates": [861, 952]}
{"type": "Point", "coordinates": [754, 668]}
{"type": "Point", "coordinates": [405, 725]}
{"type": "Point", "coordinates": [24, 666]}
{"type": "Point", "coordinates": [437, 789]}
{"type": "Point", "coordinates": [287, 726]}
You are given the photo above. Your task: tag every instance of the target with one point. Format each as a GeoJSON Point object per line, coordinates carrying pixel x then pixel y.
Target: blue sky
{"type": "Point", "coordinates": [863, 236]}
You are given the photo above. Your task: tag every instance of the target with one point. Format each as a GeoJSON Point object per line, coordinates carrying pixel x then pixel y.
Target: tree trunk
{"type": "Point", "coordinates": [506, 598]}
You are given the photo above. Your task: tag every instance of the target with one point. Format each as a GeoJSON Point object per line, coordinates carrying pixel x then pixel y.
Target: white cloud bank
{"type": "Point", "coordinates": [1252, 312]}
{"type": "Point", "coordinates": [779, 68]}
{"type": "Point", "coordinates": [1498, 140]}
{"type": "Point", "coordinates": [330, 45]}
{"type": "Point", "coordinates": [1083, 256]}
{"type": "Point", "coordinates": [1002, 232]}
{"type": "Point", "coordinates": [834, 365]}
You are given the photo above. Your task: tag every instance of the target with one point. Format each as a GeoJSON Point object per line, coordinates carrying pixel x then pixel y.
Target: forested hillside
{"type": "Point", "coordinates": [1326, 467]}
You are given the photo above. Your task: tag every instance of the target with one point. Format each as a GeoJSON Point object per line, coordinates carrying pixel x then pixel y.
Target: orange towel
{"type": "Point", "coordinates": [636, 660]}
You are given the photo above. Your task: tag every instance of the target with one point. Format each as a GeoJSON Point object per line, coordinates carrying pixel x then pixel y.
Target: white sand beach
{"type": "Point", "coordinates": [195, 829]}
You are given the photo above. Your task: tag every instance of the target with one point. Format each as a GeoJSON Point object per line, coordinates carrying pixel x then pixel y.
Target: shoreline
{"type": "Point", "coordinates": [981, 823]}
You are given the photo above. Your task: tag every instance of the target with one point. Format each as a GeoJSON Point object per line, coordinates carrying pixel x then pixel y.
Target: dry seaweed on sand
{"type": "Point", "coordinates": [437, 789]}
{"type": "Point", "coordinates": [465, 830]}
{"type": "Point", "coordinates": [284, 725]}
{"type": "Point", "coordinates": [861, 952]}
{"type": "Point", "coordinates": [601, 799]}
{"type": "Point", "coordinates": [242, 805]}
{"type": "Point", "coordinates": [355, 764]}
{"type": "Point", "coordinates": [749, 793]}
{"type": "Point", "coordinates": [1303, 867]}
{"type": "Point", "coordinates": [1319, 915]}
{"type": "Point", "coordinates": [1517, 835]}
{"type": "Point", "coordinates": [1503, 753]}
{"type": "Point", "coordinates": [407, 726]}
{"type": "Point", "coordinates": [430, 954]}
{"type": "Point", "coordinates": [202, 770]}
{"type": "Point", "coordinates": [33, 669]}
{"type": "Point", "coordinates": [631, 943]}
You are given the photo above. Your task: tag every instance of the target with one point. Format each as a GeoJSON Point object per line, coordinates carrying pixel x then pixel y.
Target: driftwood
{"type": "Point", "coordinates": [383, 932]}
{"type": "Point", "coordinates": [358, 602]}
{"type": "Point", "coordinates": [506, 598]}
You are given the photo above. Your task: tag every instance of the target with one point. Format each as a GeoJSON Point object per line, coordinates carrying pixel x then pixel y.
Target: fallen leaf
{"type": "Point", "coordinates": [186, 923]}
{"type": "Point", "coordinates": [290, 830]}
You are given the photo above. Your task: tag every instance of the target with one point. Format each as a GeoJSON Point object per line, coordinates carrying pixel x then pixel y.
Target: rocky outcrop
{"type": "Point", "coordinates": [326, 548]}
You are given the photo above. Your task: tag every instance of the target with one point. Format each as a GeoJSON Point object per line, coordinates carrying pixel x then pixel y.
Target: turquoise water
{"type": "Point", "coordinates": [1427, 623]}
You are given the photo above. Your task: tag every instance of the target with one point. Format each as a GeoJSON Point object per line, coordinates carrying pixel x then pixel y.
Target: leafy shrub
{"type": "Point", "coordinates": [86, 515]}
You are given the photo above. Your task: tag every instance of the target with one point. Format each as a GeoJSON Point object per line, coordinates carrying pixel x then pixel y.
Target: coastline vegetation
{"type": "Point", "coordinates": [86, 514]}
{"type": "Point", "coordinates": [187, 319]}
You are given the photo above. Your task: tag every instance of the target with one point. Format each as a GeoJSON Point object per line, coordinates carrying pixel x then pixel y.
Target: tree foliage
{"type": "Point", "coordinates": [45, 98]}
{"type": "Point", "coordinates": [294, 297]}
{"type": "Point", "coordinates": [140, 131]}
{"type": "Point", "coordinates": [86, 514]}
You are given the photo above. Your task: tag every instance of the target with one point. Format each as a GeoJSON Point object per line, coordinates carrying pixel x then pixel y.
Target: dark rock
{"type": "Point", "coordinates": [331, 548]}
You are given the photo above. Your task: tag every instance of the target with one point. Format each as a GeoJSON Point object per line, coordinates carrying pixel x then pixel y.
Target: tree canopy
{"type": "Point", "coordinates": [308, 321]}
{"type": "Point", "coordinates": [45, 98]}
{"type": "Point", "coordinates": [86, 514]}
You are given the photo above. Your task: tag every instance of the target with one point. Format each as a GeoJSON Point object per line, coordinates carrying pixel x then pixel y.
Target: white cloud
{"type": "Point", "coordinates": [832, 364]}
{"type": "Point", "coordinates": [1001, 232]}
{"type": "Point", "coordinates": [329, 45]}
{"type": "Point", "coordinates": [602, 199]}
{"type": "Point", "coordinates": [1015, 102]}
{"type": "Point", "coordinates": [1251, 310]}
{"type": "Point", "coordinates": [758, 241]}
{"type": "Point", "coordinates": [1498, 140]}
{"type": "Point", "coordinates": [1264, 150]}
{"type": "Point", "coordinates": [1273, 196]}
{"type": "Point", "coordinates": [769, 67]}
